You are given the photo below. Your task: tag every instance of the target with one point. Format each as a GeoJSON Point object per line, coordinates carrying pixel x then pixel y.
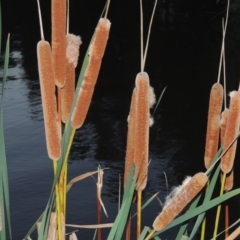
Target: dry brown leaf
{"type": "Point", "coordinates": [73, 236]}
{"type": "Point", "coordinates": [99, 188]}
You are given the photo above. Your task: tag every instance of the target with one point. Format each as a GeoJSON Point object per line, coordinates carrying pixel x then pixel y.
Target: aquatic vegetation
{"type": "Point", "coordinates": [64, 108]}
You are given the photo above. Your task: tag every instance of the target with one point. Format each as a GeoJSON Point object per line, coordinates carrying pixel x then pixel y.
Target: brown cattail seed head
{"type": "Point", "coordinates": [96, 53]}
{"type": "Point", "coordinates": [130, 138]}
{"type": "Point", "coordinates": [59, 41]}
{"type": "Point", "coordinates": [223, 123]}
{"type": "Point", "coordinates": [229, 181]}
{"type": "Point", "coordinates": [67, 92]}
{"type": "Point", "coordinates": [49, 103]}
{"type": "Point", "coordinates": [231, 132]}
{"type": "Point", "coordinates": [213, 125]}
{"type": "Point", "coordinates": [180, 200]}
{"type": "Point", "coordinates": [142, 129]}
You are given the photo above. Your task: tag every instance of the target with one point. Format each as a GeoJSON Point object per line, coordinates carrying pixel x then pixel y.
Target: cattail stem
{"type": "Point", "coordinates": [203, 228]}
{"type": "Point", "coordinates": [128, 227]}
{"type": "Point", "coordinates": [65, 163]}
{"type": "Point", "coordinates": [139, 212]}
{"type": "Point", "coordinates": [150, 235]}
{"type": "Point", "coordinates": [226, 219]}
{"type": "Point", "coordinates": [219, 207]}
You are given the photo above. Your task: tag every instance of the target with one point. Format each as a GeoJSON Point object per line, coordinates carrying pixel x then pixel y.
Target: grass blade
{"type": "Point", "coordinates": [159, 100]}
{"type": "Point", "coordinates": [4, 193]}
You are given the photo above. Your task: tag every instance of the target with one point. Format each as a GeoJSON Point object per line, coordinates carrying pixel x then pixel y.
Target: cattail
{"type": "Point", "coordinates": [96, 53]}
{"type": "Point", "coordinates": [213, 125]}
{"type": "Point", "coordinates": [130, 138]}
{"type": "Point", "coordinates": [67, 92]}
{"type": "Point", "coordinates": [49, 103]}
{"type": "Point", "coordinates": [231, 132]}
{"type": "Point", "coordinates": [223, 124]}
{"type": "Point", "coordinates": [185, 194]}
{"type": "Point", "coordinates": [229, 178]}
{"type": "Point", "coordinates": [142, 129]}
{"type": "Point", "coordinates": [229, 181]}
{"type": "Point", "coordinates": [59, 41]}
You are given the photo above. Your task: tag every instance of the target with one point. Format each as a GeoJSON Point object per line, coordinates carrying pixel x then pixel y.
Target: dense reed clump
{"type": "Point", "coordinates": [67, 92]}
{"type": "Point", "coordinates": [213, 125]}
{"type": "Point", "coordinates": [96, 53]}
{"type": "Point", "coordinates": [180, 199]}
{"type": "Point", "coordinates": [231, 132]}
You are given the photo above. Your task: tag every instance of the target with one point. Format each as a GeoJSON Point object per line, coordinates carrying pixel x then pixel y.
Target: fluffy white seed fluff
{"type": "Point", "coordinates": [152, 97]}
{"type": "Point", "coordinates": [73, 43]}
{"type": "Point", "coordinates": [175, 191]}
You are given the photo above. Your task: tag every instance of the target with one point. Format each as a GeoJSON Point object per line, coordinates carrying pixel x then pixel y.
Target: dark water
{"type": "Point", "coordinates": [183, 55]}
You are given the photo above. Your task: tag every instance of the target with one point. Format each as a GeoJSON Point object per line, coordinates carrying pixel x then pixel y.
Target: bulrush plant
{"type": "Point", "coordinates": [213, 125]}
{"type": "Point", "coordinates": [59, 20]}
{"type": "Point", "coordinates": [96, 52]}
{"type": "Point", "coordinates": [49, 102]}
{"type": "Point", "coordinates": [231, 132]}
{"type": "Point", "coordinates": [143, 99]}
{"type": "Point", "coordinates": [73, 43]}
{"type": "Point", "coordinates": [179, 198]}
{"type": "Point", "coordinates": [67, 92]}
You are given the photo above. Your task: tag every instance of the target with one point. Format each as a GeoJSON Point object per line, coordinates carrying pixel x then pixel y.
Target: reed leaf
{"type": "Point", "coordinates": [121, 219]}
{"type": "Point", "coordinates": [4, 186]}
{"type": "Point", "coordinates": [146, 231]}
{"type": "Point", "coordinates": [159, 100]}
{"type": "Point", "coordinates": [147, 203]}
{"type": "Point", "coordinates": [0, 27]}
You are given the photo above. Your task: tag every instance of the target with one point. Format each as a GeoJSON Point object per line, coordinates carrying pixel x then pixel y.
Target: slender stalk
{"type": "Point", "coordinates": [139, 212]}
{"type": "Point", "coordinates": [65, 163]}
{"type": "Point", "coordinates": [219, 207]}
{"type": "Point", "coordinates": [128, 227]}
{"type": "Point", "coordinates": [150, 234]}
{"type": "Point", "coordinates": [226, 219]}
{"type": "Point", "coordinates": [203, 227]}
